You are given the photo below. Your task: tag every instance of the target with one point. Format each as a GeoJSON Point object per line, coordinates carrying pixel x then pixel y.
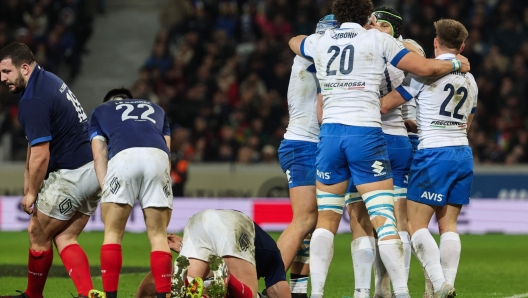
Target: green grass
{"type": "Point", "coordinates": [491, 266]}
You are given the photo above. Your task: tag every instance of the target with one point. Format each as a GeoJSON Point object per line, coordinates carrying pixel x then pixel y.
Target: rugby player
{"type": "Point", "coordinates": [442, 169]}
{"type": "Point", "coordinates": [230, 246]}
{"type": "Point", "coordinates": [350, 62]}
{"type": "Point", "coordinates": [130, 143]}
{"type": "Point", "coordinates": [60, 185]}
{"type": "Point", "coordinates": [297, 158]}
{"type": "Point", "coordinates": [399, 148]}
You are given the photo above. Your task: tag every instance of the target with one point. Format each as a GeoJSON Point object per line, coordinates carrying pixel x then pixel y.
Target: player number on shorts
{"type": "Point", "coordinates": [348, 50]}
{"type": "Point", "coordinates": [80, 112]}
{"type": "Point", "coordinates": [130, 108]}
{"type": "Point", "coordinates": [462, 91]}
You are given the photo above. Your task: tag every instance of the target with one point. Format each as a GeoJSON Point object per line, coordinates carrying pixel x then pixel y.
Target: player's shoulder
{"type": "Point", "coordinates": [414, 43]}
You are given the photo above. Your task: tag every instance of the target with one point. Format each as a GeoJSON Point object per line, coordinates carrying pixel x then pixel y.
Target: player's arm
{"type": "Point", "coordinates": [100, 154]}
{"type": "Point", "coordinates": [423, 67]}
{"type": "Point", "coordinates": [295, 44]}
{"type": "Point", "coordinates": [303, 45]}
{"type": "Point", "coordinates": [470, 120]}
{"type": "Point", "coordinates": [175, 242]}
{"type": "Point", "coordinates": [412, 48]}
{"type": "Point", "coordinates": [26, 171]}
{"type": "Point", "coordinates": [411, 125]}
{"type": "Point", "coordinates": [38, 166]}
{"type": "Point", "coordinates": [320, 108]}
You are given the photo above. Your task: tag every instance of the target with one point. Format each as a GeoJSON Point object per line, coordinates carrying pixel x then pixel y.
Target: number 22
{"type": "Point", "coordinates": [130, 108]}
{"type": "Point", "coordinates": [451, 89]}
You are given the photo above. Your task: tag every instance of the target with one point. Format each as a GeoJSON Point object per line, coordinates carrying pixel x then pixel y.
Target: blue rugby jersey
{"type": "Point", "coordinates": [130, 123]}
{"type": "Point", "coordinates": [49, 112]}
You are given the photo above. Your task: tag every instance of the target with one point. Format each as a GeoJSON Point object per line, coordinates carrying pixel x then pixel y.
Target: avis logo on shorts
{"type": "Point", "coordinates": [323, 175]}
{"type": "Point", "coordinates": [432, 196]}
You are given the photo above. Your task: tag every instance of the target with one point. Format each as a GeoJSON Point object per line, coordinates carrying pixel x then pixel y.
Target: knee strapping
{"type": "Point", "coordinates": [352, 197]}
{"type": "Point", "coordinates": [399, 193]}
{"type": "Point", "coordinates": [328, 201]}
{"type": "Point", "coordinates": [381, 203]}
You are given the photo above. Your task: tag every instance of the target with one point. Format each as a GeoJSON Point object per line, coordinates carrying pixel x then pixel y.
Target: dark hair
{"type": "Point", "coordinates": [391, 16]}
{"type": "Point", "coordinates": [450, 33]}
{"type": "Point", "coordinates": [18, 52]}
{"type": "Point", "coordinates": [352, 11]}
{"type": "Point", "coordinates": [119, 92]}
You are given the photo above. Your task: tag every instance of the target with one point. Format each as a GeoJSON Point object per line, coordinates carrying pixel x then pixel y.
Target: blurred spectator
{"type": "Point", "coordinates": [221, 71]}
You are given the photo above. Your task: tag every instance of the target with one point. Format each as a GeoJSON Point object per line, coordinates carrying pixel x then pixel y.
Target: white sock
{"type": "Point", "coordinates": [427, 252]}
{"type": "Point", "coordinates": [299, 285]}
{"type": "Point", "coordinates": [428, 285]}
{"type": "Point", "coordinates": [406, 240]}
{"type": "Point", "coordinates": [381, 277]}
{"type": "Point", "coordinates": [391, 253]}
{"type": "Point", "coordinates": [321, 253]}
{"type": "Point", "coordinates": [363, 256]}
{"type": "Point", "coordinates": [450, 247]}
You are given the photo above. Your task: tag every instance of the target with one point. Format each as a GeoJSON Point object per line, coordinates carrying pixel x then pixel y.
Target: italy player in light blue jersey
{"type": "Point", "coordinates": [297, 158]}
{"type": "Point", "coordinates": [442, 169]}
{"type": "Point", "coordinates": [130, 143]}
{"type": "Point", "coordinates": [350, 61]}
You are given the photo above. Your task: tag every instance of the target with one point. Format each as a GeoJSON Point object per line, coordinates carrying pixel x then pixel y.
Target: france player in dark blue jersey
{"type": "Point", "coordinates": [59, 178]}
{"type": "Point", "coordinates": [130, 143]}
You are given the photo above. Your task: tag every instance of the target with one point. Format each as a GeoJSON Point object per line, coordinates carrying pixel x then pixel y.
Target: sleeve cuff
{"type": "Point", "coordinates": [473, 110]}
{"type": "Point", "coordinates": [398, 57]}
{"type": "Point", "coordinates": [406, 95]}
{"type": "Point", "coordinates": [318, 90]}
{"type": "Point", "coordinates": [302, 49]}
{"type": "Point", "coordinates": [40, 140]}
{"type": "Point", "coordinates": [97, 137]}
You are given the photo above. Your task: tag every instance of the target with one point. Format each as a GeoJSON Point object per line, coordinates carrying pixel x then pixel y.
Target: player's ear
{"type": "Point", "coordinates": [24, 69]}
{"type": "Point", "coordinates": [462, 47]}
{"type": "Point", "coordinates": [435, 43]}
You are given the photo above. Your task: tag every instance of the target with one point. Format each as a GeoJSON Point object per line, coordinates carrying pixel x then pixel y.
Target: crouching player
{"type": "Point", "coordinates": [442, 169]}
{"type": "Point", "coordinates": [230, 246]}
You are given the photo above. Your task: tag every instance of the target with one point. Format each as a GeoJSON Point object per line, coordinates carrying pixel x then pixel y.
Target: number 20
{"type": "Point", "coordinates": [342, 69]}
{"type": "Point", "coordinates": [130, 108]}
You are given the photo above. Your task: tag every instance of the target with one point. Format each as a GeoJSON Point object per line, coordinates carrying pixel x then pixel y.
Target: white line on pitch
{"type": "Point", "coordinates": [518, 296]}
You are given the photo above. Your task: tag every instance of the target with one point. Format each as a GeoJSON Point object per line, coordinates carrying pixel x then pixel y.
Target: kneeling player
{"type": "Point", "coordinates": [246, 250]}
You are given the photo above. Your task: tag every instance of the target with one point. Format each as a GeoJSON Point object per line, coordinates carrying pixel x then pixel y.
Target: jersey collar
{"type": "Point", "coordinates": [350, 26]}
{"type": "Point", "coordinates": [447, 56]}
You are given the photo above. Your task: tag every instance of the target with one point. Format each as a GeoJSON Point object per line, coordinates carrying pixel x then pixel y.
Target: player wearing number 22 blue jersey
{"type": "Point", "coordinates": [130, 143]}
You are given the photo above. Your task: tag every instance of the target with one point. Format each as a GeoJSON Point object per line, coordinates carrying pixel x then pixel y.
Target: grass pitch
{"type": "Point", "coordinates": [491, 266]}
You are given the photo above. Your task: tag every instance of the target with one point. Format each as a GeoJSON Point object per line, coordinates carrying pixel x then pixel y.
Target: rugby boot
{"type": "Point", "coordinates": [446, 291]}
{"type": "Point", "coordinates": [218, 288]}
{"type": "Point", "coordinates": [21, 295]}
{"type": "Point", "coordinates": [179, 277]}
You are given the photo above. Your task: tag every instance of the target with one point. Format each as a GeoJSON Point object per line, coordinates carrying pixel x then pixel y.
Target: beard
{"type": "Point", "coordinates": [19, 84]}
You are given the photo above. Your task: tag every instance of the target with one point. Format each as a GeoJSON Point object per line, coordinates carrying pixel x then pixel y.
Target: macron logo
{"type": "Point", "coordinates": [288, 176]}
{"type": "Point", "coordinates": [378, 168]}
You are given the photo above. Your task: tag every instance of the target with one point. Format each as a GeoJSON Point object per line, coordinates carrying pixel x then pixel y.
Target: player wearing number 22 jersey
{"type": "Point", "coordinates": [130, 143]}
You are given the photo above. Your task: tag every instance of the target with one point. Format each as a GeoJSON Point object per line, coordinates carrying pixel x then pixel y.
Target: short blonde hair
{"type": "Point", "coordinates": [450, 33]}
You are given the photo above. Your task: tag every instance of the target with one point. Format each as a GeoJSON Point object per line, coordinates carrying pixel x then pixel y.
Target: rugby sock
{"type": "Point", "coordinates": [427, 252]}
{"type": "Point", "coordinates": [39, 264]}
{"type": "Point", "coordinates": [381, 277]}
{"type": "Point", "coordinates": [161, 267]}
{"type": "Point", "coordinates": [363, 256]}
{"type": "Point", "coordinates": [111, 262]}
{"type": "Point", "coordinates": [76, 263]}
{"type": "Point", "coordinates": [450, 248]}
{"type": "Point", "coordinates": [404, 236]}
{"type": "Point", "coordinates": [298, 284]}
{"type": "Point", "coordinates": [237, 289]}
{"type": "Point", "coordinates": [428, 285]}
{"type": "Point", "coordinates": [321, 253]}
{"type": "Point", "coordinates": [391, 253]}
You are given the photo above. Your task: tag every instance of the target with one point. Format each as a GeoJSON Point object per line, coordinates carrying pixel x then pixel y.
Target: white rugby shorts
{"type": "Point", "coordinates": [66, 191]}
{"type": "Point", "coordinates": [141, 173]}
{"type": "Point", "coordinates": [219, 233]}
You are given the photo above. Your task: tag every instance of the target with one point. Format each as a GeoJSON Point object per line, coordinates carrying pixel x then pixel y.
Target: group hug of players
{"type": "Point", "coordinates": [374, 127]}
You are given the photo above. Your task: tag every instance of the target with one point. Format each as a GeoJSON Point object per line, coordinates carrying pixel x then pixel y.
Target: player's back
{"type": "Point", "coordinates": [350, 62]}
{"type": "Point", "coordinates": [50, 111]}
{"type": "Point", "coordinates": [302, 102]}
{"type": "Point", "coordinates": [392, 122]}
{"type": "Point", "coordinates": [130, 123]}
{"type": "Point", "coordinates": [443, 108]}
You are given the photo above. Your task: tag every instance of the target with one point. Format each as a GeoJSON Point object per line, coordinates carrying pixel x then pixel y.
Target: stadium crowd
{"type": "Point", "coordinates": [220, 69]}
{"type": "Point", "coordinates": [57, 32]}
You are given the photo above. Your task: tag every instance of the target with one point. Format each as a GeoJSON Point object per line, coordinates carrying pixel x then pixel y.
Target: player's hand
{"type": "Point", "coordinates": [373, 24]}
{"type": "Point", "coordinates": [175, 242]}
{"type": "Point", "coordinates": [27, 203]}
{"type": "Point", "coordinates": [411, 126]}
{"type": "Point", "coordinates": [464, 63]}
